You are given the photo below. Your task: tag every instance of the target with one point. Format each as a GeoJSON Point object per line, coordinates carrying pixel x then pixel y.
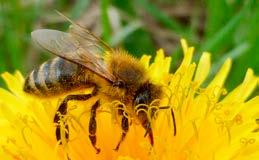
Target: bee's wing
{"type": "Point", "coordinates": [88, 40]}
{"type": "Point", "coordinates": [68, 46]}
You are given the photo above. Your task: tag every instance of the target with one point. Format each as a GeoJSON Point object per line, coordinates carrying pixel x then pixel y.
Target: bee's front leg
{"type": "Point", "coordinates": [149, 131]}
{"type": "Point", "coordinates": [62, 110]}
{"type": "Point", "coordinates": [144, 120]}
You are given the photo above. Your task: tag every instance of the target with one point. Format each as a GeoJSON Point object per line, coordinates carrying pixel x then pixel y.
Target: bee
{"type": "Point", "coordinates": [84, 60]}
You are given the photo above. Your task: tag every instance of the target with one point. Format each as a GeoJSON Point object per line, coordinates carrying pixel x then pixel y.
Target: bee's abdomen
{"type": "Point", "coordinates": [54, 77]}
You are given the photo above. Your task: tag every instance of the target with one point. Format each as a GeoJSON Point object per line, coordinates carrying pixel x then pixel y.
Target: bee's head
{"type": "Point", "coordinates": [146, 93]}
{"type": "Point", "coordinates": [127, 69]}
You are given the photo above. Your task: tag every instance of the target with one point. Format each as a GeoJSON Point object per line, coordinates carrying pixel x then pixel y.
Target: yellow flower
{"type": "Point", "coordinates": [211, 123]}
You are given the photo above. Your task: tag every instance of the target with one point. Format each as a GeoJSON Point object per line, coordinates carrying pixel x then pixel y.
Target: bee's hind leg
{"type": "Point", "coordinates": [93, 126]}
{"type": "Point", "coordinates": [62, 110]}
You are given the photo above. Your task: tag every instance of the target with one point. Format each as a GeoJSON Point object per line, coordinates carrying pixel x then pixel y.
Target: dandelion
{"type": "Point", "coordinates": [211, 123]}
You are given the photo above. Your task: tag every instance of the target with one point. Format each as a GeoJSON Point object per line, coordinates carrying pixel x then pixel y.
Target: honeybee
{"type": "Point", "coordinates": [84, 60]}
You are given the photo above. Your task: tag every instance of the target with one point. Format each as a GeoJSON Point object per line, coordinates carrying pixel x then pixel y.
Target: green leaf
{"type": "Point", "coordinates": [220, 36]}
{"type": "Point", "coordinates": [79, 7]}
{"type": "Point", "coordinates": [139, 43]}
{"type": "Point", "coordinates": [106, 28]}
{"type": "Point", "coordinates": [162, 17]}
{"type": "Point", "coordinates": [233, 54]}
{"type": "Point", "coordinates": [217, 13]}
{"type": "Point", "coordinates": [125, 6]}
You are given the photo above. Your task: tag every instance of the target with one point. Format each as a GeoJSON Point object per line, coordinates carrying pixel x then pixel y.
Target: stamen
{"type": "Point", "coordinates": [13, 155]}
{"type": "Point", "coordinates": [152, 110]}
{"type": "Point", "coordinates": [195, 129]}
{"type": "Point", "coordinates": [217, 106]}
{"type": "Point", "coordinates": [228, 134]}
{"type": "Point", "coordinates": [217, 91]}
{"type": "Point", "coordinates": [224, 125]}
{"type": "Point", "coordinates": [119, 106]}
{"type": "Point", "coordinates": [71, 120]}
{"type": "Point", "coordinates": [24, 137]}
{"type": "Point", "coordinates": [57, 146]}
{"type": "Point", "coordinates": [212, 99]}
{"type": "Point", "coordinates": [136, 108]}
{"type": "Point", "coordinates": [81, 115]}
{"type": "Point", "coordinates": [169, 97]}
{"type": "Point", "coordinates": [140, 110]}
{"type": "Point", "coordinates": [25, 119]}
{"type": "Point", "coordinates": [238, 119]}
{"type": "Point", "coordinates": [156, 101]}
{"type": "Point", "coordinates": [71, 108]}
{"type": "Point", "coordinates": [11, 140]}
{"type": "Point", "coordinates": [245, 141]}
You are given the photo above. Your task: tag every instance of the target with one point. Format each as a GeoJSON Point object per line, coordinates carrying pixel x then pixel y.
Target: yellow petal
{"type": "Point", "coordinates": [216, 84]}
{"type": "Point", "coordinates": [203, 69]}
{"type": "Point", "coordinates": [145, 60]}
{"type": "Point", "coordinates": [244, 90]}
{"type": "Point", "coordinates": [184, 46]}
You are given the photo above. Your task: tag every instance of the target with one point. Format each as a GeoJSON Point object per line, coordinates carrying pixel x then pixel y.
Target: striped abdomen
{"type": "Point", "coordinates": [54, 77]}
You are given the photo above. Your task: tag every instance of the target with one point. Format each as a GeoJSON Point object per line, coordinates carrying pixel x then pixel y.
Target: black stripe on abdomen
{"type": "Point", "coordinates": [66, 73]}
{"type": "Point", "coordinates": [47, 73]}
{"type": "Point", "coordinates": [27, 85]}
{"type": "Point", "coordinates": [37, 81]}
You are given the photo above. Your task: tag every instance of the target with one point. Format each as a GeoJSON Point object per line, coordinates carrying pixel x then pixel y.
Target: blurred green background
{"type": "Point", "coordinates": [226, 28]}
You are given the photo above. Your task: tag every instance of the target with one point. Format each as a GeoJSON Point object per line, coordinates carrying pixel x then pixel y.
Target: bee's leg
{"type": "Point", "coordinates": [149, 132]}
{"type": "Point", "coordinates": [93, 126]}
{"type": "Point", "coordinates": [145, 122]}
{"type": "Point", "coordinates": [62, 110]}
{"type": "Point", "coordinates": [125, 129]}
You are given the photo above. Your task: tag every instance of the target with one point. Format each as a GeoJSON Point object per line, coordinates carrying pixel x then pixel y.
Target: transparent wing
{"type": "Point", "coordinates": [73, 47]}
{"type": "Point", "coordinates": [88, 41]}
{"type": "Point", "coordinates": [91, 43]}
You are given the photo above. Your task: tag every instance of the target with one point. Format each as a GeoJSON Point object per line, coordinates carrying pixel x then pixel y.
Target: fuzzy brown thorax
{"type": "Point", "coordinates": [126, 68]}
{"type": "Point", "coordinates": [128, 71]}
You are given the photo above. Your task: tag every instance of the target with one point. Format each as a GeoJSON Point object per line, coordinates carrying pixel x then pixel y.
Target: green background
{"type": "Point", "coordinates": [226, 28]}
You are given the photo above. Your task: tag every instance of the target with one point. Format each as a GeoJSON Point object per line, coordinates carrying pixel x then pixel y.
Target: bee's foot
{"type": "Point", "coordinates": [98, 150]}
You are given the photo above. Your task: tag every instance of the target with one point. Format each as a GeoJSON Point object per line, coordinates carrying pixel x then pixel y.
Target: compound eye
{"type": "Point", "coordinates": [119, 84]}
